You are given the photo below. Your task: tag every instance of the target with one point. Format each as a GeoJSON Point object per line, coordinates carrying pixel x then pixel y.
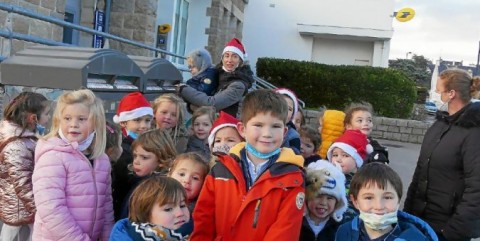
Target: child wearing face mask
{"type": "Point", "coordinates": [347, 153]}
{"type": "Point", "coordinates": [202, 121]}
{"type": "Point", "coordinates": [71, 179]}
{"type": "Point", "coordinates": [134, 114]}
{"type": "Point", "coordinates": [223, 136]}
{"type": "Point", "coordinates": [359, 116]}
{"type": "Point", "coordinates": [157, 208]}
{"type": "Point", "coordinates": [376, 191]}
{"type": "Point", "coordinates": [153, 153]}
{"type": "Point", "coordinates": [190, 170]}
{"type": "Point", "coordinates": [18, 138]}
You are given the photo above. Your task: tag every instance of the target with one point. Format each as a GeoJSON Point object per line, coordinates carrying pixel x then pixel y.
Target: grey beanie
{"type": "Point", "coordinates": [201, 59]}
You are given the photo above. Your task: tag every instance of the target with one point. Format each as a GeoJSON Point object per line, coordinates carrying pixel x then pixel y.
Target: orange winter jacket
{"type": "Point", "coordinates": [332, 129]}
{"type": "Point", "coordinates": [271, 209]}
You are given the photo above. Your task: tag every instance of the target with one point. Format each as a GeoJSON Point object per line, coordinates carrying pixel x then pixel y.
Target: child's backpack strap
{"type": "Point", "coordinates": [14, 138]}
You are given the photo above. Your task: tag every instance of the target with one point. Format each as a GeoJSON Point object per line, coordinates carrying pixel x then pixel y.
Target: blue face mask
{"type": "Point", "coordinates": [132, 134]}
{"type": "Point", "coordinates": [258, 154]}
{"type": "Point", "coordinates": [40, 129]}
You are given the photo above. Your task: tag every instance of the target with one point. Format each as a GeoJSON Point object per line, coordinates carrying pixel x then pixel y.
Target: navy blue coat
{"type": "Point", "coordinates": [408, 228]}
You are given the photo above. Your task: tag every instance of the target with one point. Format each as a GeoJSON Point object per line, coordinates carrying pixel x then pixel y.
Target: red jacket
{"type": "Point", "coordinates": [271, 210]}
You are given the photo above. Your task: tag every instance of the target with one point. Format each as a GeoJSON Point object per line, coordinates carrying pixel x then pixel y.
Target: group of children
{"type": "Point", "coordinates": [242, 182]}
{"type": "Point", "coordinates": [229, 179]}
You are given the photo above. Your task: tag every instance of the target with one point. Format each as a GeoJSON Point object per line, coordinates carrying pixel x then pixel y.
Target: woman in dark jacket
{"type": "Point", "coordinates": [445, 190]}
{"type": "Point", "coordinates": [234, 80]}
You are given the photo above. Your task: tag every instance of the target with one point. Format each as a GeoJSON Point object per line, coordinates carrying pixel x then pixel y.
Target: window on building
{"type": "Point", "coordinates": [180, 29]}
{"type": "Point", "coordinates": [72, 15]}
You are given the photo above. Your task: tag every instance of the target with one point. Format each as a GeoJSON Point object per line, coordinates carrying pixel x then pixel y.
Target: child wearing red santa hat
{"type": "Point", "coordinates": [135, 115]}
{"type": "Point", "coordinates": [348, 153]}
{"type": "Point", "coordinates": [234, 79]}
{"type": "Point", "coordinates": [223, 135]}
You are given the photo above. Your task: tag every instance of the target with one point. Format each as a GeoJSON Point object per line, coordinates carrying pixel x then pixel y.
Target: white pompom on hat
{"type": "Point", "coordinates": [223, 120]}
{"type": "Point", "coordinates": [132, 106]}
{"type": "Point", "coordinates": [333, 185]}
{"type": "Point", "coordinates": [291, 95]}
{"type": "Point", "coordinates": [353, 142]}
{"type": "Point", "coordinates": [237, 47]}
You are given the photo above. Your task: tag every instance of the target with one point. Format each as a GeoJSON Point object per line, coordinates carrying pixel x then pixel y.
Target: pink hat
{"type": "Point", "coordinates": [235, 46]}
{"type": "Point", "coordinates": [132, 106]}
{"type": "Point", "coordinates": [223, 120]}
{"type": "Point", "coordinates": [291, 94]}
{"type": "Point", "coordinates": [353, 142]}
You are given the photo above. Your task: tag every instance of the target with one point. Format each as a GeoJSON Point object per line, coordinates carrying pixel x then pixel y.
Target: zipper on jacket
{"type": "Point", "coordinates": [257, 211]}
{"type": "Point", "coordinates": [92, 165]}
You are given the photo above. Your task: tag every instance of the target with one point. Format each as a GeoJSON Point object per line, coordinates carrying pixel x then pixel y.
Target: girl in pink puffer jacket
{"type": "Point", "coordinates": [71, 179]}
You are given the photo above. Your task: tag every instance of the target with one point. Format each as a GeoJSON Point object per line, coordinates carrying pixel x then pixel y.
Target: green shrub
{"type": "Point", "coordinates": [391, 93]}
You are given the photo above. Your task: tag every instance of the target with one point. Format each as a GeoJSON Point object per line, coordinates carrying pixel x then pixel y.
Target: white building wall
{"type": "Point", "coordinates": [197, 23]}
{"type": "Point", "coordinates": [296, 29]}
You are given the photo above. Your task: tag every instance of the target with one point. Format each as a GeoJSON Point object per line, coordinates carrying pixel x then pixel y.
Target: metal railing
{"type": "Point", "coordinates": [9, 34]}
{"type": "Point", "coordinates": [28, 13]}
{"type": "Point", "coordinates": [263, 84]}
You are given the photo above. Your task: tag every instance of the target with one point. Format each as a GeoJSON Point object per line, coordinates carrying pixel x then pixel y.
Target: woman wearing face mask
{"type": "Point", "coordinates": [445, 190]}
{"type": "Point", "coordinates": [234, 80]}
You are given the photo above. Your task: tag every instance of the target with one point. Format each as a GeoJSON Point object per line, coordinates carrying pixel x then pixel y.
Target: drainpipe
{"type": "Point", "coordinates": [107, 15]}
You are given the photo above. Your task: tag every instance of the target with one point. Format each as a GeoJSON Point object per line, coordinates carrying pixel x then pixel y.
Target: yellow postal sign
{"type": "Point", "coordinates": [405, 14]}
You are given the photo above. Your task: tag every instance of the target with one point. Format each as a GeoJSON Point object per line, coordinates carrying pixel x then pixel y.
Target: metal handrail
{"type": "Point", "coordinates": [263, 84]}
{"type": "Point", "coordinates": [260, 83]}
{"type": "Point", "coordinates": [25, 12]}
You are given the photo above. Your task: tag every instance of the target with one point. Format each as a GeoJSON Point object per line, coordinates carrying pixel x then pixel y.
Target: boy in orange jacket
{"type": "Point", "coordinates": [257, 192]}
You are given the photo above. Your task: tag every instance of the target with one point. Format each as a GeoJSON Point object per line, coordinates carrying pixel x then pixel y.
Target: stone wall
{"type": "Point", "coordinates": [29, 26]}
{"type": "Point", "coordinates": [386, 128]}
{"type": "Point", "coordinates": [226, 22]}
{"type": "Point", "coordinates": [135, 20]}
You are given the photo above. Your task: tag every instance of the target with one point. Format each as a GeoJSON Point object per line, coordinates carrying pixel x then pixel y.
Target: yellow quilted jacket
{"type": "Point", "coordinates": [332, 129]}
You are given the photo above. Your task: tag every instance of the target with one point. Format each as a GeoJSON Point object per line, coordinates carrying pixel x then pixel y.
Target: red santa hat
{"type": "Point", "coordinates": [291, 94]}
{"type": "Point", "coordinates": [353, 142]}
{"type": "Point", "coordinates": [237, 47]}
{"type": "Point", "coordinates": [132, 106]}
{"type": "Point", "coordinates": [223, 120]}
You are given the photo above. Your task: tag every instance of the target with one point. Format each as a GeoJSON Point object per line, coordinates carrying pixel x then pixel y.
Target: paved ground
{"type": "Point", "coordinates": [403, 159]}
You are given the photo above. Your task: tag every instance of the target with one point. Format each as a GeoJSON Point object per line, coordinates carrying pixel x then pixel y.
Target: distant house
{"type": "Point", "coordinates": [346, 32]}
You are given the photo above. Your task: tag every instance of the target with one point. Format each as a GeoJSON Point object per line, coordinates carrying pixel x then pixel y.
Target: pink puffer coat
{"type": "Point", "coordinates": [16, 167]}
{"type": "Point", "coordinates": [73, 199]}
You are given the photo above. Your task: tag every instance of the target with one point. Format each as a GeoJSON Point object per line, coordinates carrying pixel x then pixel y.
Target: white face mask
{"type": "Point", "coordinates": [444, 105]}
{"type": "Point", "coordinates": [379, 222]}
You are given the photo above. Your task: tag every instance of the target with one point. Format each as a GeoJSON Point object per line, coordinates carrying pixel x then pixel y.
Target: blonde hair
{"type": "Point", "coordinates": [193, 157]}
{"type": "Point", "coordinates": [159, 143]}
{"type": "Point", "coordinates": [157, 190]}
{"type": "Point", "coordinates": [171, 98]}
{"type": "Point", "coordinates": [204, 110]}
{"type": "Point", "coordinates": [96, 115]}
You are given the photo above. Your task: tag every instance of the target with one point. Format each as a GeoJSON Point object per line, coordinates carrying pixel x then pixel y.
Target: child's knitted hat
{"type": "Point", "coordinates": [291, 95]}
{"type": "Point", "coordinates": [223, 120]}
{"type": "Point", "coordinates": [237, 47]}
{"type": "Point", "coordinates": [353, 142]}
{"type": "Point", "coordinates": [324, 178]}
{"type": "Point", "coordinates": [201, 59]}
{"type": "Point", "coordinates": [132, 106]}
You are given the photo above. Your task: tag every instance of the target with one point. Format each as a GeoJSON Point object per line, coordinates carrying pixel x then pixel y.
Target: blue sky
{"type": "Point", "coordinates": [441, 28]}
